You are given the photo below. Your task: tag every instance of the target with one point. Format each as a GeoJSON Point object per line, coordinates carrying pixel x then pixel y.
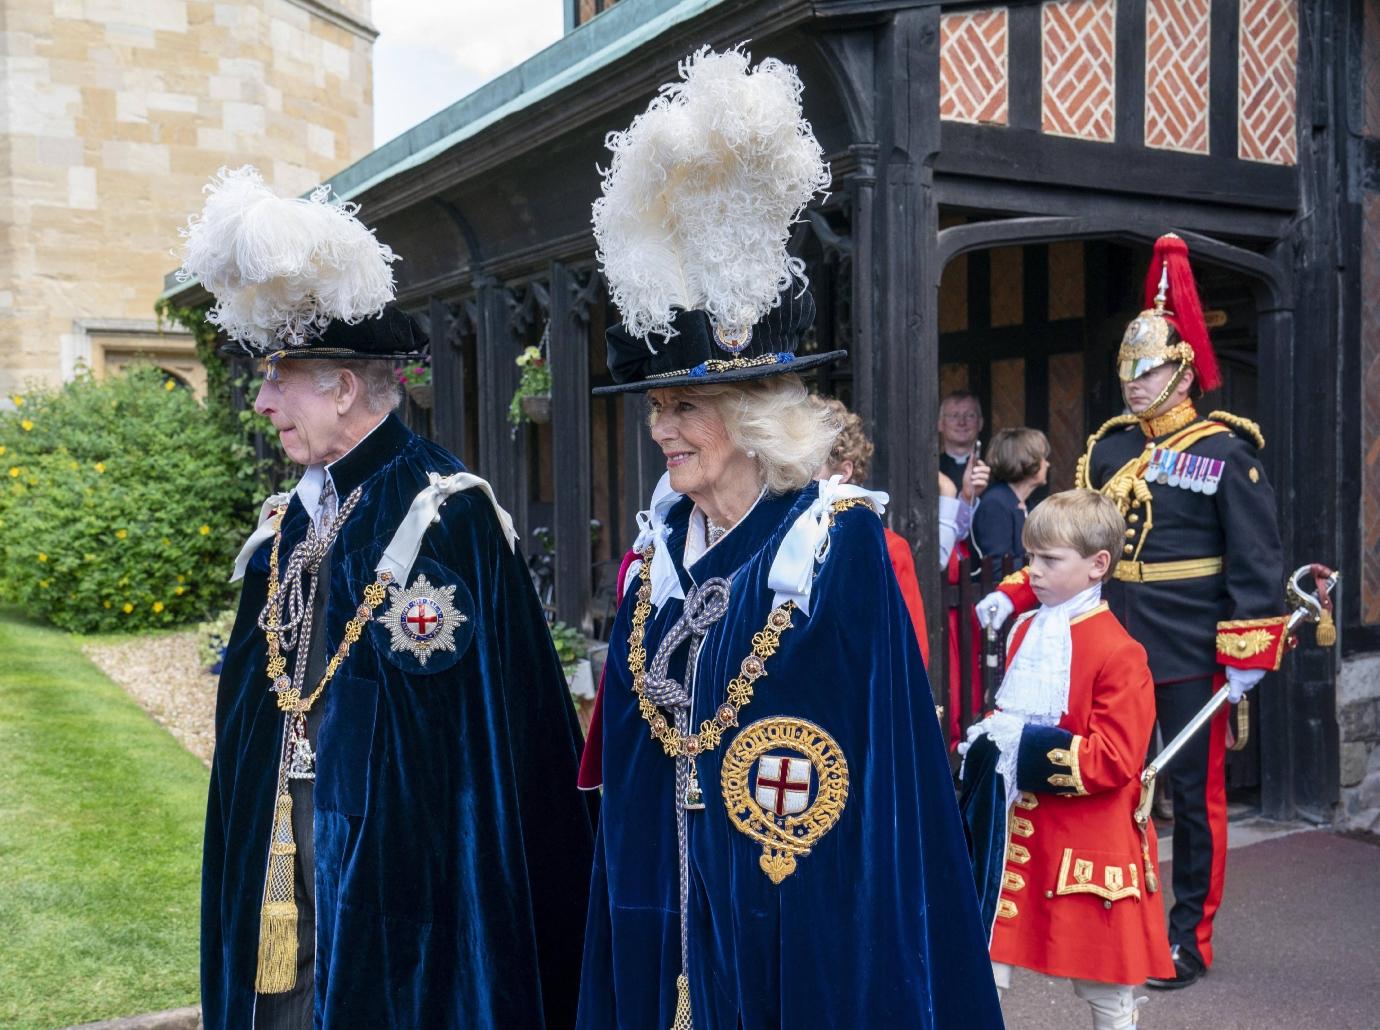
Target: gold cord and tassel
{"type": "Point", "coordinates": [277, 967]}
{"type": "Point", "coordinates": [681, 1020]}
{"type": "Point", "coordinates": [1327, 629]}
{"type": "Point", "coordinates": [277, 970]}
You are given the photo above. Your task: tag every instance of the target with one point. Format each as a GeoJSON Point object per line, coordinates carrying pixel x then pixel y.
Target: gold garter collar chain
{"type": "Point", "coordinates": [764, 644]}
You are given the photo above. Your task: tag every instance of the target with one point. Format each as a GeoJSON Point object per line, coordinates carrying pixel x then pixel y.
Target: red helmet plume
{"type": "Point", "coordinates": [1182, 308]}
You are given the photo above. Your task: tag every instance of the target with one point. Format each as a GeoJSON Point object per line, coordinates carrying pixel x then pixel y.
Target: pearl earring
{"type": "Point", "coordinates": [752, 454]}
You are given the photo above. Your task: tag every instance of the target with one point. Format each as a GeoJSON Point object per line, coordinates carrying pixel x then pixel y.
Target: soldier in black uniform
{"type": "Point", "coordinates": [1199, 581]}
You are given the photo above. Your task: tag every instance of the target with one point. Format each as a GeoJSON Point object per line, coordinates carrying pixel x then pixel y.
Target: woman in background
{"type": "Point", "coordinates": [1019, 459]}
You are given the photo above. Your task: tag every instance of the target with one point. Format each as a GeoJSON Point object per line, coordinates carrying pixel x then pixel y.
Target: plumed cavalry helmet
{"type": "Point", "coordinates": [693, 224]}
{"type": "Point", "coordinates": [1171, 328]}
{"type": "Point", "coordinates": [294, 277]}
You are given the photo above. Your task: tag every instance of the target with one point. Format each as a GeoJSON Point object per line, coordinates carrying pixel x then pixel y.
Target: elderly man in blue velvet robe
{"type": "Point", "coordinates": [393, 835]}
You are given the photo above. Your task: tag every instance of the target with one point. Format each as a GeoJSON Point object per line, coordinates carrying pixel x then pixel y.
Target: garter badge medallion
{"type": "Point", "coordinates": [423, 619]}
{"type": "Point", "coordinates": [785, 782]}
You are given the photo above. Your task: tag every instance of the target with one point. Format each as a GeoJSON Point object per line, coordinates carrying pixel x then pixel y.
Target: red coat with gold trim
{"type": "Point", "coordinates": [1079, 896]}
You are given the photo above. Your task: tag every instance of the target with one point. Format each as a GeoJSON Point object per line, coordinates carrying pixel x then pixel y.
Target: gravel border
{"type": "Point", "coordinates": [164, 675]}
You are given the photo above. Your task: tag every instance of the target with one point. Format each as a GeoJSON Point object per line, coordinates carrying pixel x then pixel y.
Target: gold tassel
{"type": "Point", "coordinates": [277, 972]}
{"type": "Point", "coordinates": [681, 1021]}
{"type": "Point", "coordinates": [1327, 630]}
{"type": "Point", "coordinates": [1236, 741]}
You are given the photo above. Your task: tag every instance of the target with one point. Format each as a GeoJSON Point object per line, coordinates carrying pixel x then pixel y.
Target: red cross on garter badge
{"type": "Point", "coordinates": [785, 782]}
{"type": "Point", "coordinates": [422, 619]}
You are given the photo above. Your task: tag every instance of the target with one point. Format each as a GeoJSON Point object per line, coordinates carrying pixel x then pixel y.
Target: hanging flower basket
{"type": "Point", "coordinates": [421, 394]}
{"type": "Point", "coordinates": [536, 407]}
{"type": "Point", "coordinates": [416, 380]}
{"type": "Point", "coordinates": [532, 400]}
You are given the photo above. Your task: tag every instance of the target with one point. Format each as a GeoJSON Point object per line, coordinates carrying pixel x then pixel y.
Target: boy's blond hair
{"type": "Point", "coordinates": [1081, 519]}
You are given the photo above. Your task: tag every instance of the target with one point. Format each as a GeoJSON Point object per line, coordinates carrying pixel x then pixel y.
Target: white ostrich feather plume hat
{"type": "Point", "coordinates": [282, 269]}
{"type": "Point", "coordinates": [702, 190]}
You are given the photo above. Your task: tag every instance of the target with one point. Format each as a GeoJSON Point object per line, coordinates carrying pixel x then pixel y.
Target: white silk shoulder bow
{"type": "Point", "coordinates": [807, 542]}
{"type": "Point", "coordinates": [401, 553]}
{"type": "Point", "coordinates": [263, 531]}
{"type": "Point", "coordinates": [653, 532]}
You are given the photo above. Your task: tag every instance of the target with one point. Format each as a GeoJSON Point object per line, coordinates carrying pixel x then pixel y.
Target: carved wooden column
{"type": "Point", "coordinates": [570, 295]}
{"type": "Point", "coordinates": [500, 450]}
{"type": "Point", "coordinates": [907, 277]}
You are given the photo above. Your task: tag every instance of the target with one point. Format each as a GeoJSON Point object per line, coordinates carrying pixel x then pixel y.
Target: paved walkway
{"type": "Point", "coordinates": [1297, 942]}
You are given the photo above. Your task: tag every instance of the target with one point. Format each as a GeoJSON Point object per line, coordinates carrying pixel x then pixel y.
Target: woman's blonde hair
{"type": "Point", "coordinates": [852, 443]}
{"type": "Point", "coordinates": [777, 421]}
{"type": "Point", "coordinates": [1015, 454]}
{"type": "Point", "coordinates": [1081, 519]}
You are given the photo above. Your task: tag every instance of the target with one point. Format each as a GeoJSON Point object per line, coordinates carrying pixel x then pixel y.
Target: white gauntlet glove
{"type": "Point", "coordinates": [1241, 680]}
{"type": "Point", "coordinates": [986, 616]}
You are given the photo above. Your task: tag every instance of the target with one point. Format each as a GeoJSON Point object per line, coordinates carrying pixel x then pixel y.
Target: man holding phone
{"type": "Point", "coordinates": [960, 423]}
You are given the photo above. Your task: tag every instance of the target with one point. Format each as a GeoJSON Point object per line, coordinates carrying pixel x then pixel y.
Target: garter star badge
{"type": "Point", "coordinates": [423, 619]}
{"type": "Point", "coordinates": [785, 782]}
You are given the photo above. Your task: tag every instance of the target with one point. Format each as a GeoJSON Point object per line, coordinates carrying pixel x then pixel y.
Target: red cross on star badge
{"type": "Point", "coordinates": [423, 619]}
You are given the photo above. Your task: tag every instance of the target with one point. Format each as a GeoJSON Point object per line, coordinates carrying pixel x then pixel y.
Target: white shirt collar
{"type": "Point", "coordinates": [313, 481]}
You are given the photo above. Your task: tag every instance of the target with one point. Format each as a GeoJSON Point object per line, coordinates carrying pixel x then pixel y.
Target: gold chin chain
{"type": "Point", "coordinates": [1149, 413]}
{"type": "Point", "coordinates": [764, 644]}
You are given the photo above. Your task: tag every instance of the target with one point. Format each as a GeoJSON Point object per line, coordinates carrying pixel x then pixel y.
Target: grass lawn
{"type": "Point", "coordinates": [100, 842]}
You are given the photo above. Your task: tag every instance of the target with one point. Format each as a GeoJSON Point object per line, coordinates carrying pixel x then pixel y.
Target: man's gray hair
{"type": "Point", "coordinates": [379, 383]}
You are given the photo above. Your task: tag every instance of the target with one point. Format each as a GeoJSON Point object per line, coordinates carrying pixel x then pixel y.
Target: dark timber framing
{"type": "Point", "coordinates": [489, 202]}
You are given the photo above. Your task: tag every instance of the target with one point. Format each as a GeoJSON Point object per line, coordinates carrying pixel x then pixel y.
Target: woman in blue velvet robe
{"type": "Point", "coordinates": [826, 880]}
{"type": "Point", "coordinates": [451, 850]}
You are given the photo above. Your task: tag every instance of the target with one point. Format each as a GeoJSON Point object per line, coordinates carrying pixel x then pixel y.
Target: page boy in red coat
{"type": "Point", "coordinates": [1079, 892]}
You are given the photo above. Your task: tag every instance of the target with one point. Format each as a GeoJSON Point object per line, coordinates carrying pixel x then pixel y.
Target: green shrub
{"type": "Point", "coordinates": [122, 504]}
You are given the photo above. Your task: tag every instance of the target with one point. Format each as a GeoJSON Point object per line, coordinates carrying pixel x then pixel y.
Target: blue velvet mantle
{"type": "Point", "coordinates": [452, 848]}
{"type": "Point", "coordinates": [878, 926]}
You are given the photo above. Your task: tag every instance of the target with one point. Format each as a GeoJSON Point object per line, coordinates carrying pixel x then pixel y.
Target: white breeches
{"type": "Point", "coordinates": [1114, 1006]}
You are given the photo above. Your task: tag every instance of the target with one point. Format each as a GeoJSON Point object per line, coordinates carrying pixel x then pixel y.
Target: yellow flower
{"type": "Point", "coordinates": [120, 534]}
{"type": "Point", "coordinates": [100, 467]}
{"type": "Point", "coordinates": [182, 579]}
{"type": "Point", "coordinates": [14, 471]}
{"type": "Point", "coordinates": [170, 386]}
{"type": "Point", "coordinates": [105, 604]}
{"type": "Point", "coordinates": [26, 425]}
{"type": "Point", "coordinates": [75, 466]}
{"type": "Point", "coordinates": [42, 556]}
{"type": "Point", "coordinates": [43, 583]}
{"type": "Point", "coordinates": [157, 607]}
{"type": "Point", "coordinates": [18, 399]}
{"type": "Point", "coordinates": [2, 448]}
{"type": "Point", "coordinates": [126, 607]}
{"type": "Point", "coordinates": [179, 591]}
{"type": "Point", "coordinates": [205, 530]}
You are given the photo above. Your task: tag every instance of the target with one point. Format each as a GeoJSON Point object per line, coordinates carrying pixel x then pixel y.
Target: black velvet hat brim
{"type": "Point", "coordinates": [391, 335]}
{"type": "Point", "coordinates": [733, 375]}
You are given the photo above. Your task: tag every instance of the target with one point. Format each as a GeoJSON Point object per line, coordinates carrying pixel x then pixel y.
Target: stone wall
{"type": "Point", "coordinates": [115, 114]}
{"type": "Point", "coordinates": [1358, 719]}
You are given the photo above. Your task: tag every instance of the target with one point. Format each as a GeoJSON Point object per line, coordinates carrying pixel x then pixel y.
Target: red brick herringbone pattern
{"type": "Point", "coordinates": [1067, 433]}
{"type": "Point", "coordinates": [972, 66]}
{"type": "Point", "coordinates": [1370, 409]}
{"type": "Point", "coordinates": [1079, 69]}
{"type": "Point", "coordinates": [1176, 75]}
{"type": "Point", "coordinates": [1267, 81]}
